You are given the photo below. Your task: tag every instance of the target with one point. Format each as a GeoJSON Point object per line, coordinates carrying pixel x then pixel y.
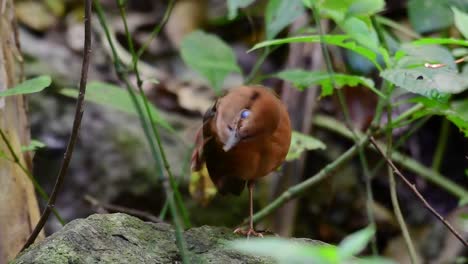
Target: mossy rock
{"type": "Point", "coordinates": [120, 238]}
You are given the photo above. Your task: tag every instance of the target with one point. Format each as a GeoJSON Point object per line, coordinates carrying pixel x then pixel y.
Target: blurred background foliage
{"type": "Point", "coordinates": [112, 162]}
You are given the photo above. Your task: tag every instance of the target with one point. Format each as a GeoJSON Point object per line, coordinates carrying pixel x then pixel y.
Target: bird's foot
{"type": "Point", "coordinates": [249, 232]}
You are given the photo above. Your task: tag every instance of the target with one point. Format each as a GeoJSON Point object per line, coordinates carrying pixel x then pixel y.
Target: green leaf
{"type": "Point", "coordinates": [343, 41]}
{"type": "Point", "coordinates": [33, 85]}
{"type": "Point", "coordinates": [300, 143]}
{"type": "Point", "coordinates": [429, 15]}
{"type": "Point", "coordinates": [355, 243]}
{"type": "Point", "coordinates": [366, 7]}
{"type": "Point", "coordinates": [361, 32]}
{"type": "Point", "coordinates": [435, 83]}
{"type": "Point", "coordinates": [285, 251]}
{"type": "Point", "coordinates": [302, 79]}
{"type": "Point", "coordinates": [441, 41]}
{"type": "Point", "coordinates": [210, 56]}
{"type": "Point", "coordinates": [417, 55]}
{"type": "Point", "coordinates": [234, 5]}
{"type": "Point", "coordinates": [461, 21]}
{"type": "Point", "coordinates": [115, 97]}
{"type": "Point", "coordinates": [456, 111]}
{"type": "Point", "coordinates": [338, 10]}
{"type": "Point", "coordinates": [309, 3]}
{"type": "Point", "coordinates": [279, 14]}
{"type": "Point", "coordinates": [335, 9]}
{"type": "Point", "coordinates": [33, 146]}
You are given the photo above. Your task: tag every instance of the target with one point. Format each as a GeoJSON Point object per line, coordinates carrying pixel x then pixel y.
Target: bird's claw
{"type": "Point", "coordinates": [248, 233]}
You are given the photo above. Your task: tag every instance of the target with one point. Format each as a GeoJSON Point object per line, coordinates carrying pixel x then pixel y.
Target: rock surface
{"type": "Point", "coordinates": [119, 238]}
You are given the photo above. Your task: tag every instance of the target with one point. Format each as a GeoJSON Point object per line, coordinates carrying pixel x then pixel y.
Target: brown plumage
{"type": "Point", "coordinates": [245, 136]}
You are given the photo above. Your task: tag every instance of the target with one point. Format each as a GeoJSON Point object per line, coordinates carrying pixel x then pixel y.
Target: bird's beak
{"type": "Point", "coordinates": [232, 141]}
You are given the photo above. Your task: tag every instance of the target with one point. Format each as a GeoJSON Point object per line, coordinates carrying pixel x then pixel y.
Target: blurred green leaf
{"type": "Point", "coordinates": [279, 14]}
{"type": "Point", "coordinates": [33, 85]}
{"type": "Point", "coordinates": [366, 7]}
{"type": "Point", "coordinates": [418, 55]}
{"type": "Point", "coordinates": [234, 5]}
{"type": "Point", "coordinates": [338, 10]}
{"type": "Point", "coordinates": [441, 41]}
{"type": "Point", "coordinates": [429, 15]}
{"type": "Point", "coordinates": [33, 146]}
{"type": "Point", "coordinates": [456, 111]}
{"type": "Point", "coordinates": [435, 83]}
{"type": "Point", "coordinates": [302, 79]}
{"type": "Point", "coordinates": [343, 41]}
{"type": "Point", "coordinates": [461, 21]}
{"type": "Point", "coordinates": [300, 143]}
{"type": "Point", "coordinates": [210, 56]}
{"type": "Point", "coordinates": [117, 98]}
{"type": "Point", "coordinates": [286, 251]}
{"type": "Point", "coordinates": [361, 32]}
{"type": "Point", "coordinates": [355, 243]}
{"type": "Point", "coordinates": [309, 3]}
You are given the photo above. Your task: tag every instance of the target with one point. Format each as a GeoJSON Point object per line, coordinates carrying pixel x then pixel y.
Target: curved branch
{"type": "Point", "coordinates": [74, 134]}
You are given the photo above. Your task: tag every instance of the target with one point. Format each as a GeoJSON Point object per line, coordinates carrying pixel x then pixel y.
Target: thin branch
{"type": "Point", "coordinates": [407, 162]}
{"type": "Point", "coordinates": [76, 126]}
{"type": "Point", "coordinates": [116, 208]}
{"type": "Point", "coordinates": [418, 194]}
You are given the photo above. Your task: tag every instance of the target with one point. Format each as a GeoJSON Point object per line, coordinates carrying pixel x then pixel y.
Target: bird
{"type": "Point", "coordinates": [245, 135]}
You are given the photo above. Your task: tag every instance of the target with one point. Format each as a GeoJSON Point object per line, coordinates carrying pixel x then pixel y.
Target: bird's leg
{"type": "Point", "coordinates": [251, 230]}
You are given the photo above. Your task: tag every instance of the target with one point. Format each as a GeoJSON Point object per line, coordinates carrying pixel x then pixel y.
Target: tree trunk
{"type": "Point", "coordinates": [19, 210]}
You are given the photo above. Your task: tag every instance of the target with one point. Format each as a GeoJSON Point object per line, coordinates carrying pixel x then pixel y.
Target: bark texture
{"type": "Point", "coordinates": [18, 204]}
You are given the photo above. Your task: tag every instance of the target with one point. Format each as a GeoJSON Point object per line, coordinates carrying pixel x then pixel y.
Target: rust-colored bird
{"type": "Point", "coordinates": [245, 135]}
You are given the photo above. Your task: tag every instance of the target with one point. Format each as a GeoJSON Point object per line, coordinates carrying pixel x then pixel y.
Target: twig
{"type": "Point", "coordinates": [36, 185]}
{"type": "Point", "coordinates": [74, 134]}
{"type": "Point", "coordinates": [418, 194]}
{"type": "Point", "coordinates": [300, 188]}
{"type": "Point", "coordinates": [116, 208]}
{"type": "Point", "coordinates": [405, 161]}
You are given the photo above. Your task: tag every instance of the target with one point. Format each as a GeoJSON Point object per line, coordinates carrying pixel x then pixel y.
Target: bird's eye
{"type": "Point", "coordinates": [245, 113]}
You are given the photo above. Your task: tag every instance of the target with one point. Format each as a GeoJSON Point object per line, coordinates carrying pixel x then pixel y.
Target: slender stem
{"type": "Point", "coordinates": [441, 145]}
{"type": "Point", "coordinates": [417, 193]}
{"type": "Point", "coordinates": [394, 193]}
{"type": "Point", "coordinates": [36, 185]}
{"type": "Point", "coordinates": [163, 212]}
{"type": "Point", "coordinates": [390, 23]}
{"type": "Point", "coordinates": [347, 116]}
{"type": "Point", "coordinates": [251, 187]}
{"type": "Point", "coordinates": [156, 29]}
{"type": "Point", "coordinates": [168, 184]}
{"type": "Point", "coordinates": [75, 129]}
{"type": "Point", "coordinates": [178, 196]}
{"type": "Point", "coordinates": [257, 65]}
